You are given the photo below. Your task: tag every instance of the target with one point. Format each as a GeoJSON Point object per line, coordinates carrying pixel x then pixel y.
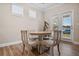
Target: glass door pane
{"type": "Point", "coordinates": [66, 25]}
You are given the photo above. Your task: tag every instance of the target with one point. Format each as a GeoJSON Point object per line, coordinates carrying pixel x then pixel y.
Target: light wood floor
{"type": "Point", "coordinates": [66, 49]}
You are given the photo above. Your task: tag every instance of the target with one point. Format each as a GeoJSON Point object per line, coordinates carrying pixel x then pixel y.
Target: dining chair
{"type": "Point", "coordinates": [53, 41]}
{"type": "Point", "coordinates": [28, 42]}
{"type": "Point", "coordinates": [26, 46]}
{"type": "Point", "coordinates": [57, 39]}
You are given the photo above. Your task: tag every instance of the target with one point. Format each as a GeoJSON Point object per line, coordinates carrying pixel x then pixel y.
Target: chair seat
{"type": "Point", "coordinates": [33, 42]}
{"type": "Point", "coordinates": [47, 42]}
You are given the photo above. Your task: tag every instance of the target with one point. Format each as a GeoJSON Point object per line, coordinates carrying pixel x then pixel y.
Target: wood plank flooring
{"type": "Point", "coordinates": [66, 49]}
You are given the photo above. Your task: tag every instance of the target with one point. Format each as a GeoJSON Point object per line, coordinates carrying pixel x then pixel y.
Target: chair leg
{"type": "Point", "coordinates": [23, 50]}
{"type": "Point", "coordinates": [51, 51]}
{"type": "Point", "coordinates": [58, 49]}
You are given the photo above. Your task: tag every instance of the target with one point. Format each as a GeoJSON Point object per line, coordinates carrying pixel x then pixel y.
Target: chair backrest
{"type": "Point", "coordinates": [24, 36]}
{"type": "Point", "coordinates": [59, 35]}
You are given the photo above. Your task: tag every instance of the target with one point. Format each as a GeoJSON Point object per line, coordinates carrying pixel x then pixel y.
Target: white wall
{"type": "Point", "coordinates": [11, 25]}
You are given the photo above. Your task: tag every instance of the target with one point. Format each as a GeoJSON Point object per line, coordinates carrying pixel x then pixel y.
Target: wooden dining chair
{"type": "Point", "coordinates": [28, 42]}
{"type": "Point", "coordinates": [53, 41]}
{"type": "Point", "coordinates": [26, 46]}
{"type": "Point", "coordinates": [57, 39]}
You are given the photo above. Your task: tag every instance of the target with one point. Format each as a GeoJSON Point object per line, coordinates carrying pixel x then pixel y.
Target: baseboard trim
{"type": "Point", "coordinates": [76, 43]}
{"type": "Point", "coordinates": [11, 43]}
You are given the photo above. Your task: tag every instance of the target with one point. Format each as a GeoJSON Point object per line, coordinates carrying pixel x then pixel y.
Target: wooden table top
{"type": "Point", "coordinates": [40, 33]}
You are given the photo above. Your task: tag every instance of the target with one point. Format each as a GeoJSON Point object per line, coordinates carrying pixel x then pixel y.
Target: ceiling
{"type": "Point", "coordinates": [44, 6]}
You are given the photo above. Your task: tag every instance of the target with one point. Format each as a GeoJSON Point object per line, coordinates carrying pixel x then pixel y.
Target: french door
{"type": "Point", "coordinates": [64, 23]}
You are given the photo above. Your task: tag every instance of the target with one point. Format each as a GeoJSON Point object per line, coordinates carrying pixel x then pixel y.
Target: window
{"type": "Point", "coordinates": [17, 10]}
{"type": "Point", "coordinates": [67, 26]}
{"type": "Point", "coordinates": [32, 13]}
{"type": "Point", "coordinates": [67, 20]}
